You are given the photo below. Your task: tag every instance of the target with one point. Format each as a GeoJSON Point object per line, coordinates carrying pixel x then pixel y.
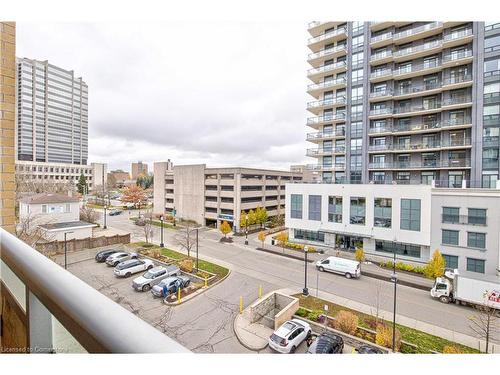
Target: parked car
{"type": "Point", "coordinates": [154, 276]}
{"type": "Point", "coordinates": [365, 349]}
{"type": "Point", "coordinates": [101, 256]}
{"type": "Point", "coordinates": [347, 267]}
{"type": "Point", "coordinates": [131, 266]}
{"type": "Point", "coordinates": [115, 212]}
{"type": "Point", "coordinates": [327, 343]}
{"type": "Point", "coordinates": [289, 336]}
{"type": "Point", "coordinates": [118, 257]}
{"type": "Point", "coordinates": [170, 285]}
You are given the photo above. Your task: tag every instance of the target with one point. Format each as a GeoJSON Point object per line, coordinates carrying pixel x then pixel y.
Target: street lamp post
{"type": "Point", "coordinates": [173, 215]}
{"type": "Point", "coordinates": [246, 229]}
{"type": "Point", "coordinates": [161, 231]}
{"type": "Point", "coordinates": [394, 279]}
{"type": "Point", "coordinates": [197, 250]}
{"type": "Point", "coordinates": [66, 250]}
{"type": "Point", "coordinates": [305, 291]}
{"type": "Point", "coordinates": [105, 208]}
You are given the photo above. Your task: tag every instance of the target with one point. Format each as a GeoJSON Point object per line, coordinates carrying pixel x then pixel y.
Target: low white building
{"type": "Point", "coordinates": [55, 214]}
{"type": "Point", "coordinates": [411, 220]}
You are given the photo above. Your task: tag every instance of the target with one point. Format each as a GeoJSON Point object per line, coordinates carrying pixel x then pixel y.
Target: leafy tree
{"type": "Point", "coordinates": [435, 267]}
{"type": "Point", "coordinates": [359, 255]}
{"type": "Point", "coordinates": [82, 185]}
{"type": "Point", "coordinates": [243, 220]}
{"type": "Point", "coordinates": [261, 216]}
{"type": "Point", "coordinates": [145, 181]}
{"type": "Point", "coordinates": [135, 195]}
{"type": "Point", "coordinates": [225, 228]}
{"type": "Point", "coordinates": [262, 237]}
{"type": "Point", "coordinates": [252, 218]}
{"type": "Point", "coordinates": [282, 239]}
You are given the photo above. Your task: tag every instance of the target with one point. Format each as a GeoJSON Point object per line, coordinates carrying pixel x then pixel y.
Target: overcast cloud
{"type": "Point", "coordinates": [219, 93]}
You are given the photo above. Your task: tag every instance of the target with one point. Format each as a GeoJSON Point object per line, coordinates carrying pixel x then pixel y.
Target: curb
{"type": "Point", "coordinates": [283, 255]}
{"type": "Point", "coordinates": [197, 293]}
{"type": "Point", "coordinates": [254, 349]}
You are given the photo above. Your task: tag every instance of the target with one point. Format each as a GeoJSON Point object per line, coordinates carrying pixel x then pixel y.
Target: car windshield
{"type": "Point", "coordinates": [276, 338]}
{"type": "Point", "coordinates": [149, 275]}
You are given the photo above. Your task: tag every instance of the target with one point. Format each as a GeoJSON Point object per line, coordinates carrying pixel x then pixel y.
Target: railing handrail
{"type": "Point", "coordinates": [326, 68]}
{"type": "Point", "coordinates": [415, 30]}
{"type": "Point", "coordinates": [421, 47]}
{"type": "Point", "coordinates": [458, 34]}
{"type": "Point", "coordinates": [331, 101]}
{"type": "Point", "coordinates": [98, 323]}
{"type": "Point", "coordinates": [319, 38]}
{"type": "Point", "coordinates": [332, 82]}
{"type": "Point", "coordinates": [384, 36]}
{"type": "Point", "coordinates": [327, 51]}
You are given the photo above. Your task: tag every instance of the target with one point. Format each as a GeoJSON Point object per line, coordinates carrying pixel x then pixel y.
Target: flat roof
{"type": "Point", "coordinates": [68, 225]}
{"type": "Point", "coordinates": [43, 198]}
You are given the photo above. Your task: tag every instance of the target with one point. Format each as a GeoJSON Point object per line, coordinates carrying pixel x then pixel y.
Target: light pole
{"type": "Point", "coordinates": [394, 279]}
{"type": "Point", "coordinates": [161, 231]}
{"type": "Point", "coordinates": [173, 215]}
{"type": "Point", "coordinates": [66, 250]}
{"type": "Point", "coordinates": [246, 229]}
{"type": "Point", "coordinates": [105, 208]}
{"type": "Point", "coordinates": [197, 250]}
{"type": "Point", "coordinates": [305, 291]}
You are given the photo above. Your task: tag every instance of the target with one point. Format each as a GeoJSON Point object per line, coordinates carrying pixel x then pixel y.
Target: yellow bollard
{"type": "Point", "coordinates": [241, 305]}
{"type": "Point", "coordinates": [206, 281]}
{"type": "Point", "coordinates": [260, 291]}
{"type": "Point", "coordinates": [178, 295]}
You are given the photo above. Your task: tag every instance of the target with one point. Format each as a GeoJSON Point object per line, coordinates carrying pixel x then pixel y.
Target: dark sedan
{"type": "Point", "coordinates": [365, 349]}
{"type": "Point", "coordinates": [101, 256]}
{"type": "Point", "coordinates": [327, 343]}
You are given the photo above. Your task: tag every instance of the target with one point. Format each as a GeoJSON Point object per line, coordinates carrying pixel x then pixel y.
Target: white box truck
{"type": "Point", "coordinates": [467, 288]}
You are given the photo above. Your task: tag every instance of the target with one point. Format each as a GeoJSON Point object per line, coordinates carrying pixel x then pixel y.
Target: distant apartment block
{"type": "Point", "coordinates": [210, 196]}
{"type": "Point", "coordinates": [411, 221]}
{"type": "Point", "coordinates": [405, 102]}
{"type": "Point", "coordinates": [138, 169]}
{"type": "Point", "coordinates": [99, 175]}
{"type": "Point", "coordinates": [52, 114]}
{"type": "Point", "coordinates": [308, 174]}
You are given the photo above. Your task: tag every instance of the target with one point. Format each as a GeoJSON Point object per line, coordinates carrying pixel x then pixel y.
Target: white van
{"type": "Point", "coordinates": [348, 268]}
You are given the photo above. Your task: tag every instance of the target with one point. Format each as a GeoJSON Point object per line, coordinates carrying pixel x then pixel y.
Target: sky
{"type": "Point", "coordinates": [220, 93]}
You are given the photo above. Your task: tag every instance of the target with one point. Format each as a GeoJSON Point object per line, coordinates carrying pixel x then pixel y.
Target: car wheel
{"type": "Point", "coordinates": [321, 269]}
{"type": "Point", "coordinates": [444, 299]}
{"type": "Point", "coordinates": [146, 287]}
{"type": "Point", "coordinates": [348, 275]}
{"type": "Point", "coordinates": [115, 264]}
{"type": "Point", "coordinates": [128, 274]}
{"type": "Point", "coordinates": [309, 333]}
{"type": "Point", "coordinates": [292, 349]}
{"type": "Point", "coordinates": [150, 266]}
{"type": "Point", "coordinates": [187, 283]}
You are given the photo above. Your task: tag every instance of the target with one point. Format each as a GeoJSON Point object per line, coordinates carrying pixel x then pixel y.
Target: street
{"type": "Point", "coordinates": [251, 268]}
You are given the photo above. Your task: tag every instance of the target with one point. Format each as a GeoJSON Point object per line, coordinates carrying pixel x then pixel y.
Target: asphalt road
{"type": "Point", "coordinates": [254, 267]}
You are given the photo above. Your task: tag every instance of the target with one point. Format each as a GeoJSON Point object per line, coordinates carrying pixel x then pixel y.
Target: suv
{"type": "Point", "coordinates": [127, 268]}
{"type": "Point", "coordinates": [101, 256]}
{"type": "Point", "coordinates": [154, 276]}
{"type": "Point", "coordinates": [327, 343]}
{"type": "Point", "coordinates": [289, 336]}
{"type": "Point", "coordinates": [366, 349]}
{"type": "Point", "coordinates": [170, 285]}
{"type": "Point", "coordinates": [119, 257]}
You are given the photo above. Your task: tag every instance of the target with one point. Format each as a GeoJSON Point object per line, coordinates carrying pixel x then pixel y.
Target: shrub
{"type": "Point", "coordinates": [314, 315]}
{"type": "Point", "coordinates": [311, 249]}
{"type": "Point", "coordinates": [186, 265]}
{"type": "Point", "coordinates": [155, 253]}
{"type": "Point", "coordinates": [384, 337]}
{"type": "Point", "coordinates": [451, 349]}
{"type": "Point", "coordinates": [372, 323]}
{"type": "Point", "coordinates": [347, 322]}
{"type": "Point", "coordinates": [302, 312]}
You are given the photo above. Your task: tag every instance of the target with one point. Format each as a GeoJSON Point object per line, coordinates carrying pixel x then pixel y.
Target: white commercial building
{"type": "Point", "coordinates": [411, 220]}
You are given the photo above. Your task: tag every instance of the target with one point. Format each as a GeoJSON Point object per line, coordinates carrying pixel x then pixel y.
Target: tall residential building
{"type": "Point", "coordinates": [7, 124]}
{"type": "Point", "coordinates": [52, 118]}
{"type": "Point", "coordinates": [405, 102]}
{"type": "Point", "coordinates": [138, 169]}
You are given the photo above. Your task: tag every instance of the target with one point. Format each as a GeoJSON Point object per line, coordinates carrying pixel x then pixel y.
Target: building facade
{"type": "Point", "coordinates": [99, 176]}
{"type": "Point", "coordinates": [412, 221]}
{"type": "Point", "coordinates": [210, 196]}
{"type": "Point", "coordinates": [138, 169]}
{"type": "Point", "coordinates": [52, 114]}
{"type": "Point", "coordinates": [405, 102]}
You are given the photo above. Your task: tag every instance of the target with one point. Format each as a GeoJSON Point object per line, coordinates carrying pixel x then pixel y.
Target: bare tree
{"type": "Point", "coordinates": [485, 323]}
{"type": "Point", "coordinates": [28, 230]}
{"type": "Point", "coordinates": [186, 237]}
{"type": "Point", "coordinates": [89, 215]}
{"type": "Point", "coordinates": [148, 230]}
{"type": "Point", "coordinates": [377, 299]}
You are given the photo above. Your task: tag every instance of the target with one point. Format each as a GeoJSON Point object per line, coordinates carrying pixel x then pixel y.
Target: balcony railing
{"type": "Point", "coordinates": [323, 167]}
{"type": "Point", "coordinates": [423, 164]}
{"type": "Point", "coordinates": [415, 49]}
{"type": "Point", "coordinates": [416, 127]}
{"type": "Point", "coordinates": [492, 97]}
{"type": "Point", "coordinates": [409, 109]}
{"type": "Point", "coordinates": [325, 52]}
{"type": "Point", "coordinates": [457, 55]}
{"type": "Point", "coordinates": [320, 135]}
{"type": "Point", "coordinates": [416, 67]}
{"type": "Point", "coordinates": [417, 30]}
{"type": "Point", "coordinates": [329, 34]}
{"type": "Point", "coordinates": [326, 102]}
{"type": "Point", "coordinates": [456, 122]}
{"type": "Point", "coordinates": [327, 68]}
{"type": "Point", "coordinates": [416, 89]}
{"type": "Point", "coordinates": [459, 34]}
{"type": "Point", "coordinates": [326, 84]}
{"type": "Point", "coordinates": [380, 93]}
{"type": "Point", "coordinates": [380, 111]}
{"type": "Point", "coordinates": [457, 100]}
{"type": "Point", "coordinates": [380, 38]}
{"type": "Point", "coordinates": [381, 73]}
{"type": "Point", "coordinates": [326, 118]}
{"type": "Point", "coordinates": [381, 55]}
{"type": "Point", "coordinates": [463, 219]}
{"type": "Point", "coordinates": [97, 323]}
{"type": "Point", "coordinates": [325, 150]}
{"type": "Point", "coordinates": [457, 79]}
{"type": "Point", "coordinates": [491, 120]}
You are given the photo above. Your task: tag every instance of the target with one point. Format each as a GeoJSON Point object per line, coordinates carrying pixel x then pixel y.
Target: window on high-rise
{"type": "Point", "coordinates": [357, 75]}
{"type": "Point", "coordinates": [357, 41]}
{"type": "Point", "coordinates": [489, 179]}
{"type": "Point", "coordinates": [382, 212]}
{"type": "Point", "coordinates": [491, 65]}
{"type": "Point", "coordinates": [450, 261]}
{"type": "Point", "coordinates": [335, 209]}
{"type": "Point", "coordinates": [357, 58]}
{"type": "Point", "coordinates": [296, 206]}
{"type": "Point", "coordinates": [314, 207]}
{"type": "Point", "coordinates": [475, 265]}
{"type": "Point", "coordinates": [491, 42]}
{"type": "Point", "coordinates": [410, 214]}
{"type": "Point", "coordinates": [356, 92]}
{"type": "Point", "coordinates": [358, 211]}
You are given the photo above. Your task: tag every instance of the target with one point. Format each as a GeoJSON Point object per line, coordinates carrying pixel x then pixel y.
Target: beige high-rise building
{"type": "Point", "coordinates": [7, 123]}
{"type": "Point", "coordinates": [138, 169]}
